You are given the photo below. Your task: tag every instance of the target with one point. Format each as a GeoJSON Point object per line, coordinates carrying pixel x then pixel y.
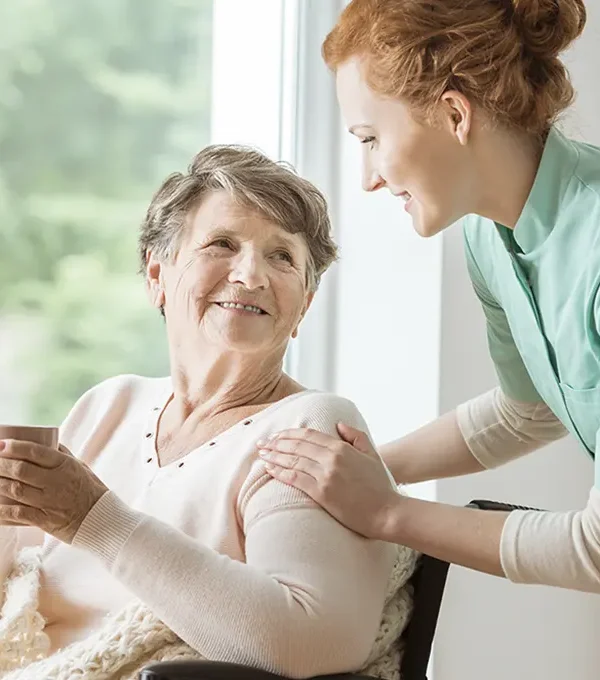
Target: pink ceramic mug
{"type": "Point", "coordinates": [46, 436]}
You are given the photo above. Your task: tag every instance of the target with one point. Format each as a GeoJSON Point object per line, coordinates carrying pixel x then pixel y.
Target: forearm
{"type": "Point", "coordinates": [434, 451]}
{"type": "Point", "coordinates": [560, 549]}
{"type": "Point", "coordinates": [464, 536]}
{"type": "Point", "coordinates": [498, 429]}
{"type": "Point", "coordinates": [206, 598]}
{"type": "Point", "coordinates": [483, 433]}
{"type": "Point", "coordinates": [294, 597]}
{"type": "Point", "coordinates": [555, 548]}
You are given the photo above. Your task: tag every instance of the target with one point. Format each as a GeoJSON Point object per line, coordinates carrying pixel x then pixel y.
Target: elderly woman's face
{"type": "Point", "coordinates": [238, 280]}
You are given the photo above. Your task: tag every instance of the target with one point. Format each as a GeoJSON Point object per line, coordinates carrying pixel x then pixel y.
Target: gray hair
{"type": "Point", "coordinates": [273, 189]}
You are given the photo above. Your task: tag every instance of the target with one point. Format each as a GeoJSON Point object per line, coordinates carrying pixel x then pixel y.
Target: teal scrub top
{"type": "Point", "coordinates": [539, 287]}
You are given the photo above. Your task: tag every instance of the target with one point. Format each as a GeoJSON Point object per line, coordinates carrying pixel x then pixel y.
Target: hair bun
{"type": "Point", "coordinates": [548, 27]}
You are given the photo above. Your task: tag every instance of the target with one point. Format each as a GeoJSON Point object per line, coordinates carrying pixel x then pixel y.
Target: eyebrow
{"type": "Point", "coordinates": [280, 238]}
{"type": "Point", "coordinates": [286, 238]}
{"type": "Point", "coordinates": [219, 230]}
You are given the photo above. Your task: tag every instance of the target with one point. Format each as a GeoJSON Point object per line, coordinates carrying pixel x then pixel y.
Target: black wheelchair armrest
{"type": "Point", "coordinates": [500, 507]}
{"type": "Point", "coordinates": [217, 670]}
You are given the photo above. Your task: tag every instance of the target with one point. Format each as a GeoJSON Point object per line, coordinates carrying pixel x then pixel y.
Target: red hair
{"type": "Point", "coordinates": [501, 54]}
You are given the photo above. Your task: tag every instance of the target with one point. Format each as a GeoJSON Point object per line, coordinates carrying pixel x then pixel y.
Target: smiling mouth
{"type": "Point", "coordinates": [405, 196]}
{"type": "Point", "coordinates": [253, 309]}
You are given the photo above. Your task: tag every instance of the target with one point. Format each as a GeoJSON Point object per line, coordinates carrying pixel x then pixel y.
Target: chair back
{"type": "Point", "coordinates": [428, 583]}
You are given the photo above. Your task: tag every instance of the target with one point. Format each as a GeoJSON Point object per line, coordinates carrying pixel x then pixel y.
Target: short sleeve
{"type": "Point", "coordinates": [512, 373]}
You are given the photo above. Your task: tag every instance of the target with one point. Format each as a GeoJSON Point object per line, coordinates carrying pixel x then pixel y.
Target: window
{"type": "Point", "coordinates": [99, 101]}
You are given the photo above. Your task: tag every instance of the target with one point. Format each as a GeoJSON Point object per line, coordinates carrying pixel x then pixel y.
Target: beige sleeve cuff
{"type": "Point", "coordinates": [107, 527]}
{"type": "Point", "coordinates": [498, 429]}
{"type": "Point", "coordinates": [554, 548]}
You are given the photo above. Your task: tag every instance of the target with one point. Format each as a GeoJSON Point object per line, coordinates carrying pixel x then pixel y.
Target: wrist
{"type": "Point", "coordinates": [392, 455]}
{"type": "Point", "coordinates": [390, 519]}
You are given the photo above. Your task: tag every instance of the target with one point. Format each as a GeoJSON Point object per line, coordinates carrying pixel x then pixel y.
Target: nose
{"type": "Point", "coordinates": [250, 271]}
{"type": "Point", "coordinates": [371, 179]}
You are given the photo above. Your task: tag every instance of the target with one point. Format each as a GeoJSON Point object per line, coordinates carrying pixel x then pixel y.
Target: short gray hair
{"type": "Point", "coordinates": [273, 189]}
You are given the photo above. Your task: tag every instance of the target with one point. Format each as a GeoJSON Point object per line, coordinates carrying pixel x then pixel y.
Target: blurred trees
{"type": "Point", "coordinates": [99, 101]}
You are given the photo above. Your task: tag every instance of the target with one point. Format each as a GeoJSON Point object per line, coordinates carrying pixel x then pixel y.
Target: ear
{"type": "Point", "coordinates": [154, 280]}
{"type": "Point", "coordinates": [309, 298]}
{"type": "Point", "coordinates": [457, 113]}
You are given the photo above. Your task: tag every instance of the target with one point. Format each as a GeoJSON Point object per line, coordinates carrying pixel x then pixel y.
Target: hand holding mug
{"type": "Point", "coordinates": [42, 484]}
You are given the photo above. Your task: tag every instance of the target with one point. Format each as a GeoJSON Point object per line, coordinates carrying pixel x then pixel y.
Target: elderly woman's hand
{"type": "Point", "coordinates": [345, 476]}
{"type": "Point", "coordinates": [48, 488]}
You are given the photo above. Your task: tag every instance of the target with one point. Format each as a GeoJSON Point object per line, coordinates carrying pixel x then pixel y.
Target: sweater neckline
{"type": "Point", "coordinates": [149, 445]}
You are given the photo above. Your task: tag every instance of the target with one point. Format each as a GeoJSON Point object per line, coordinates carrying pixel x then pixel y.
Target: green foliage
{"type": "Point", "coordinates": [99, 101]}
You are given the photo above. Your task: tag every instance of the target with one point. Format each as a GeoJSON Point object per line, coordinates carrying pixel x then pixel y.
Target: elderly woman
{"type": "Point", "coordinates": [164, 518]}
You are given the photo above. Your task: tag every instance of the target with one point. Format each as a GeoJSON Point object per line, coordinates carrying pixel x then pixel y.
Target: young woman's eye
{"type": "Point", "coordinates": [368, 140]}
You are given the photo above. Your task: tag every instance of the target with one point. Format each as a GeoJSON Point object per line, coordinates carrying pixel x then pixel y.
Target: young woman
{"type": "Point", "coordinates": [455, 102]}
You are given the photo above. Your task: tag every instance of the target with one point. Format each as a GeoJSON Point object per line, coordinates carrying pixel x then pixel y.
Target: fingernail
{"type": "Point", "coordinates": [264, 454]}
{"type": "Point", "coordinates": [261, 442]}
{"type": "Point", "coordinates": [2, 446]}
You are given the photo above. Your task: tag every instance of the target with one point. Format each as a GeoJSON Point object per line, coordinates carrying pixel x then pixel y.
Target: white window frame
{"type": "Point", "coordinates": [314, 151]}
{"type": "Point", "coordinates": [246, 74]}
{"type": "Point", "coordinates": [290, 113]}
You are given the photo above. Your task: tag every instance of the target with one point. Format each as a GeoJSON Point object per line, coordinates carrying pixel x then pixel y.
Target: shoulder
{"type": "Point", "coordinates": [123, 389]}
{"type": "Point", "coordinates": [114, 399]}
{"type": "Point", "coordinates": [319, 411]}
{"type": "Point", "coordinates": [580, 200]}
{"type": "Point", "coordinates": [479, 235]}
{"type": "Point", "coordinates": [587, 170]}
{"type": "Point", "coordinates": [322, 411]}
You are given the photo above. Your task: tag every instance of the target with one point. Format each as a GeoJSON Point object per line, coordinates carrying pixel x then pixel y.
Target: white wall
{"type": "Point", "coordinates": [491, 628]}
{"type": "Point", "coordinates": [411, 344]}
{"type": "Point", "coordinates": [388, 310]}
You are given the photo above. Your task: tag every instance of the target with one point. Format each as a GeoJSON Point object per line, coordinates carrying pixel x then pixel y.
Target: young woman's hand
{"type": "Point", "coordinates": [344, 474]}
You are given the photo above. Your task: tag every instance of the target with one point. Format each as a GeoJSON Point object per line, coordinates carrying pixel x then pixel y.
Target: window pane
{"type": "Point", "coordinates": [99, 101]}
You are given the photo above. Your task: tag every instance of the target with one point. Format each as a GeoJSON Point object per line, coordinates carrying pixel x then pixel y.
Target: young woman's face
{"type": "Point", "coordinates": [428, 167]}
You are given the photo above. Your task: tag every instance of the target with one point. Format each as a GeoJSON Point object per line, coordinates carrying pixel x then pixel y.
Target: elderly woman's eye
{"type": "Point", "coordinates": [284, 256]}
{"type": "Point", "coordinates": [222, 243]}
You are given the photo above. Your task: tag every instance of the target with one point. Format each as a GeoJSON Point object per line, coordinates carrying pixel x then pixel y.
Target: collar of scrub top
{"type": "Point", "coordinates": [541, 211]}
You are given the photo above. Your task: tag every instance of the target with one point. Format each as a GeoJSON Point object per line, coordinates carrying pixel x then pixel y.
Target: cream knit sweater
{"type": "Point", "coordinates": [205, 558]}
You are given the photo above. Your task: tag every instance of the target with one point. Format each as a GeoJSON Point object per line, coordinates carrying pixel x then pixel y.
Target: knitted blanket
{"type": "Point", "coordinates": [134, 637]}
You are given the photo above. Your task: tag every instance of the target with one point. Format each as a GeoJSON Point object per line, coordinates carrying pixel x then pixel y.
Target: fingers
{"type": "Point", "coordinates": [290, 462]}
{"type": "Point", "coordinates": [42, 456]}
{"type": "Point", "coordinates": [18, 515]}
{"type": "Point", "coordinates": [21, 493]}
{"type": "Point", "coordinates": [293, 451]}
{"type": "Point", "coordinates": [349, 435]}
{"type": "Point", "coordinates": [296, 478]}
{"type": "Point", "coordinates": [63, 449]}
{"type": "Point", "coordinates": [356, 438]}
{"type": "Point", "coordinates": [22, 471]}
{"type": "Point", "coordinates": [311, 452]}
{"type": "Point", "coordinates": [306, 435]}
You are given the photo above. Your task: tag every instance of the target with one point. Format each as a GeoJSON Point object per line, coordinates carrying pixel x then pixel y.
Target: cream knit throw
{"type": "Point", "coordinates": [134, 638]}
